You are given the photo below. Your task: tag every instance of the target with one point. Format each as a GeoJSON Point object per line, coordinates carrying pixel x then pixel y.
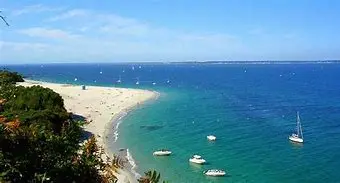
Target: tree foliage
{"type": "Point", "coordinates": [151, 177]}
{"type": "Point", "coordinates": [7, 77]}
{"type": "Point", "coordinates": [39, 142]}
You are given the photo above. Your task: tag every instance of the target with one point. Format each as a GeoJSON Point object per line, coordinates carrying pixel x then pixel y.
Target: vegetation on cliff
{"type": "Point", "coordinates": [39, 140]}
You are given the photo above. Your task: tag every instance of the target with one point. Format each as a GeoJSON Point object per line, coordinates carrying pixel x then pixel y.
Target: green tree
{"type": "Point", "coordinates": [150, 177]}
{"type": "Point", "coordinates": [7, 77]}
{"type": "Point", "coordinates": [40, 142]}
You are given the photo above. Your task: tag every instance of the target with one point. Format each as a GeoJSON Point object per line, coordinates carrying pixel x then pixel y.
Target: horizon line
{"type": "Point", "coordinates": [188, 62]}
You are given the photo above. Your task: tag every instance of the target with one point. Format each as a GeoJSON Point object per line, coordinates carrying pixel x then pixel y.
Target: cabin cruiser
{"type": "Point", "coordinates": [162, 152]}
{"type": "Point", "coordinates": [211, 137]}
{"type": "Point", "coordinates": [197, 159]}
{"type": "Point", "coordinates": [214, 172]}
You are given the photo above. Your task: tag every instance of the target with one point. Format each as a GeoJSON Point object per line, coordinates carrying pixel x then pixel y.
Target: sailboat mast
{"type": "Point", "coordinates": [298, 126]}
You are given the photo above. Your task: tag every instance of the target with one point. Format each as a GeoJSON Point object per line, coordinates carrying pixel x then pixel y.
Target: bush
{"type": "Point", "coordinates": [7, 77]}
{"type": "Point", "coordinates": [39, 142]}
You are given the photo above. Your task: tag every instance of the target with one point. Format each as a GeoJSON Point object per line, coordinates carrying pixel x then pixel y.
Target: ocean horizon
{"type": "Point", "coordinates": [250, 108]}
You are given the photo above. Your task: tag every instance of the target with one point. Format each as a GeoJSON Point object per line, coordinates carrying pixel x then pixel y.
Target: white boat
{"type": "Point", "coordinates": [298, 136]}
{"type": "Point", "coordinates": [211, 137]}
{"type": "Point", "coordinates": [162, 152]}
{"type": "Point", "coordinates": [119, 80]}
{"type": "Point", "coordinates": [197, 159]}
{"type": "Point", "coordinates": [215, 172]}
{"type": "Point", "coordinates": [154, 83]}
{"type": "Point", "coordinates": [137, 82]}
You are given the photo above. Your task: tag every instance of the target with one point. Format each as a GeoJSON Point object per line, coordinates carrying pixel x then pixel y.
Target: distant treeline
{"type": "Point", "coordinates": [261, 62]}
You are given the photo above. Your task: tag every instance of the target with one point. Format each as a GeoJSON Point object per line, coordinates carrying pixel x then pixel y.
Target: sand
{"type": "Point", "coordinates": [100, 106]}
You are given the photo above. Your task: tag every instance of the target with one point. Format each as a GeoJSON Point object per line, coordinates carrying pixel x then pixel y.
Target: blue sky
{"type": "Point", "coordinates": [169, 30]}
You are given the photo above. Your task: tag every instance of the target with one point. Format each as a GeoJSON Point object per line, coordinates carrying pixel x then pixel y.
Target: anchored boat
{"type": "Point", "coordinates": [298, 136]}
{"type": "Point", "coordinates": [197, 159]}
{"type": "Point", "coordinates": [215, 172]}
{"type": "Point", "coordinates": [211, 137]}
{"type": "Point", "coordinates": [162, 152]}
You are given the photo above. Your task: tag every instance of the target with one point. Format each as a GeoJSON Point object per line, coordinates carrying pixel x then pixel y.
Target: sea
{"type": "Point", "coordinates": [250, 108]}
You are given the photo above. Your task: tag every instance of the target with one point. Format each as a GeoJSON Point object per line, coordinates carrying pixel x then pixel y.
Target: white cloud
{"type": "Point", "coordinates": [22, 52]}
{"type": "Point", "coordinates": [19, 46]}
{"type": "Point", "coordinates": [47, 33]}
{"type": "Point", "coordinates": [69, 14]}
{"type": "Point", "coordinates": [38, 8]}
{"type": "Point", "coordinates": [109, 37]}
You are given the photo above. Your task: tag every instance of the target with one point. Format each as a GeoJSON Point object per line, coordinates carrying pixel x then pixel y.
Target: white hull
{"type": "Point", "coordinates": [295, 139]}
{"type": "Point", "coordinates": [162, 153]}
{"type": "Point", "coordinates": [197, 161]}
{"type": "Point", "coordinates": [211, 137]}
{"type": "Point", "coordinates": [215, 173]}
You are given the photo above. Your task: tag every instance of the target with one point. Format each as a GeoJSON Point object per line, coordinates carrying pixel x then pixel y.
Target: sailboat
{"type": "Point", "coordinates": [298, 136]}
{"type": "Point", "coordinates": [137, 82]}
{"type": "Point", "coordinates": [119, 80]}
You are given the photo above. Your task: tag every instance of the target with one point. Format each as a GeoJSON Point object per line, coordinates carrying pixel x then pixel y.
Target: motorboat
{"type": "Point", "coordinates": [298, 136]}
{"type": "Point", "coordinates": [211, 137]}
{"type": "Point", "coordinates": [162, 152]}
{"type": "Point", "coordinates": [214, 172]}
{"type": "Point", "coordinates": [197, 159]}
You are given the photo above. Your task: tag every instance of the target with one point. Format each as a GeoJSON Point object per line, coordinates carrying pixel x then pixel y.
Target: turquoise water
{"type": "Point", "coordinates": [250, 108]}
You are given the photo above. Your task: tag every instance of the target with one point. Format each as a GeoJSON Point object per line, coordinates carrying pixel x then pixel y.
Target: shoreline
{"type": "Point", "coordinates": [103, 108]}
{"type": "Point", "coordinates": [113, 126]}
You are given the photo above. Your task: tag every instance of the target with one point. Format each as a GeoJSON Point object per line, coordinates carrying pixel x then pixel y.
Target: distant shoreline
{"type": "Point", "coordinates": [190, 62]}
{"type": "Point", "coordinates": [103, 107]}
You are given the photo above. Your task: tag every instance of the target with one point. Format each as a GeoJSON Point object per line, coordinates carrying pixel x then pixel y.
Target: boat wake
{"type": "Point", "coordinates": [132, 163]}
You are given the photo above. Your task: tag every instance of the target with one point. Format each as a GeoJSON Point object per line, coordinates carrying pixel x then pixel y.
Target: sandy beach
{"type": "Point", "coordinates": [101, 106]}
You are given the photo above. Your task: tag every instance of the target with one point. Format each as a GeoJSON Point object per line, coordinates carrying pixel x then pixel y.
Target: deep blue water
{"type": "Point", "coordinates": [250, 108]}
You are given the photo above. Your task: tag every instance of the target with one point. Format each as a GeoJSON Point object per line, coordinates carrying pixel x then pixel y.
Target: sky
{"type": "Point", "coordinates": [168, 30]}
